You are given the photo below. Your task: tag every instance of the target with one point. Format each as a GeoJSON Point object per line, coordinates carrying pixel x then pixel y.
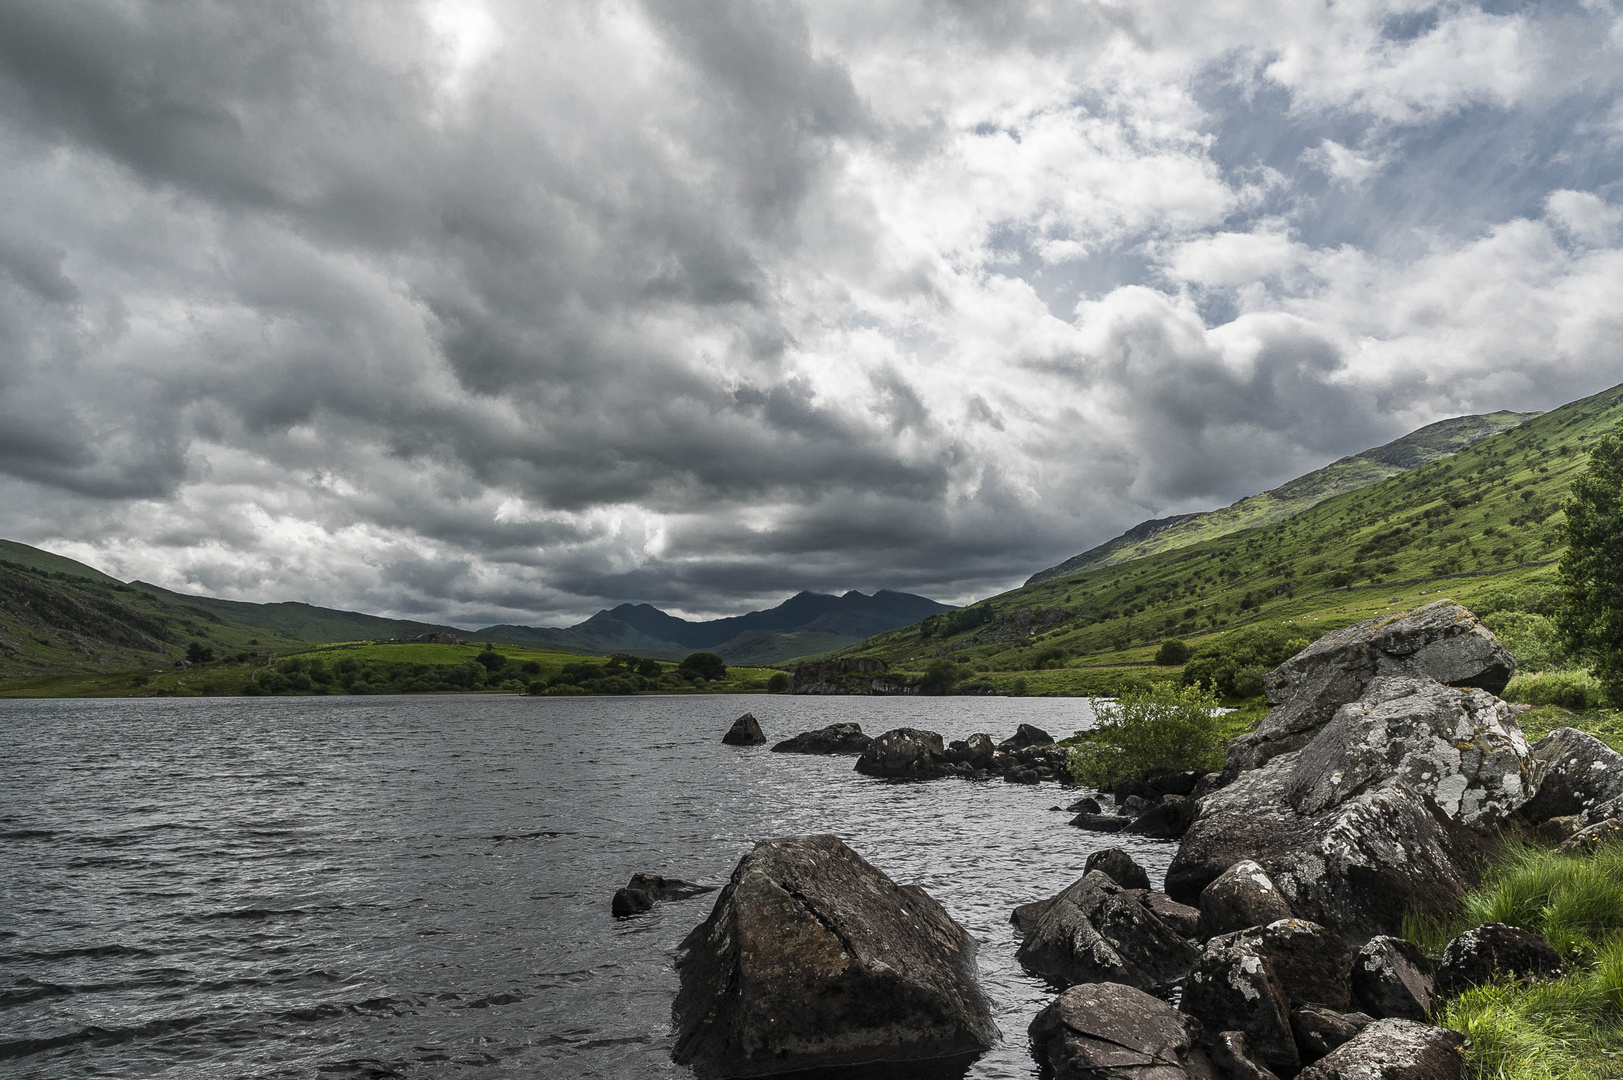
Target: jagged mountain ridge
{"type": "Point", "coordinates": [1434, 442]}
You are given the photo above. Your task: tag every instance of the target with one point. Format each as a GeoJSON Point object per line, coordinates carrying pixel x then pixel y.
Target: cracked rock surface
{"type": "Point", "coordinates": [1106, 1031]}
{"type": "Point", "coordinates": [1097, 931]}
{"type": "Point", "coordinates": [813, 958]}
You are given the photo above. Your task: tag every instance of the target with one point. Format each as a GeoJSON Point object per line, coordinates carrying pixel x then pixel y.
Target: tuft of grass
{"type": "Point", "coordinates": [1572, 688]}
{"type": "Point", "coordinates": [1575, 901]}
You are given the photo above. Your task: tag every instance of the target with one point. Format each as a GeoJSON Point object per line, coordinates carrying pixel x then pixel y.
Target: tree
{"type": "Point", "coordinates": [1592, 568]}
{"type": "Point", "coordinates": [199, 653]}
{"type": "Point", "coordinates": [491, 659]}
{"type": "Point", "coordinates": [1162, 728]}
{"type": "Point", "coordinates": [940, 676]}
{"type": "Point", "coordinates": [648, 669]}
{"type": "Point", "coordinates": [703, 665]}
{"type": "Point", "coordinates": [779, 683]}
{"type": "Point", "coordinates": [1172, 652]}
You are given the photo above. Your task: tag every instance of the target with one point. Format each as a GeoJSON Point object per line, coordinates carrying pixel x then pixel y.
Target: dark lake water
{"type": "Point", "coordinates": [419, 887]}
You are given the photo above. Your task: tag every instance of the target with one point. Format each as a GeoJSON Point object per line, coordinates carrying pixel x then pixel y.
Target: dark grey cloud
{"type": "Point", "coordinates": [479, 310]}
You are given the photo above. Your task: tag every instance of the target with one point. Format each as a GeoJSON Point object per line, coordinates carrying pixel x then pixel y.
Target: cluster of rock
{"type": "Point", "coordinates": [1161, 806]}
{"type": "Point", "coordinates": [1029, 756]}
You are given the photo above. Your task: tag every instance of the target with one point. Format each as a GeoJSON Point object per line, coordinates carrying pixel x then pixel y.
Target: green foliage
{"type": "Point", "coordinates": [199, 653]}
{"type": "Point", "coordinates": [703, 665]}
{"type": "Point", "coordinates": [1233, 665]}
{"type": "Point", "coordinates": [492, 660]}
{"type": "Point", "coordinates": [1173, 652]}
{"type": "Point", "coordinates": [1534, 640]}
{"type": "Point", "coordinates": [1050, 656]}
{"type": "Point", "coordinates": [948, 623]}
{"type": "Point", "coordinates": [1572, 689]}
{"type": "Point", "coordinates": [779, 683]}
{"type": "Point", "coordinates": [1166, 728]}
{"type": "Point", "coordinates": [1592, 568]}
{"type": "Point", "coordinates": [940, 676]}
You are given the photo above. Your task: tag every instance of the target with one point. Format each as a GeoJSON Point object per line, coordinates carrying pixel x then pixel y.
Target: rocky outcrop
{"type": "Point", "coordinates": [1393, 1050]}
{"type": "Point", "coordinates": [1591, 837]}
{"type": "Point", "coordinates": [643, 891]}
{"type": "Point", "coordinates": [1119, 867]}
{"type": "Point", "coordinates": [813, 958]}
{"type": "Point", "coordinates": [1106, 1031]}
{"type": "Point", "coordinates": [851, 675]}
{"type": "Point", "coordinates": [746, 731]}
{"type": "Point", "coordinates": [1097, 931]}
{"type": "Point", "coordinates": [1493, 951]}
{"type": "Point", "coordinates": [1441, 641]}
{"type": "Point", "coordinates": [1242, 896]}
{"type": "Point", "coordinates": [833, 739]}
{"type": "Point", "coordinates": [1580, 773]}
{"type": "Point", "coordinates": [1311, 965]}
{"type": "Point", "coordinates": [1391, 977]}
{"type": "Point", "coordinates": [905, 754]}
{"type": "Point", "coordinates": [1319, 1030]}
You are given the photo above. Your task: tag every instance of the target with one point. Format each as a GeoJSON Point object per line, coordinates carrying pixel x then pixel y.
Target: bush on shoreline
{"type": "Point", "coordinates": [1165, 728]}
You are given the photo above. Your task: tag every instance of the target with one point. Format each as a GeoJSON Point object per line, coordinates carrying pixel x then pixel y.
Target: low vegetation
{"type": "Point", "coordinates": [1177, 728]}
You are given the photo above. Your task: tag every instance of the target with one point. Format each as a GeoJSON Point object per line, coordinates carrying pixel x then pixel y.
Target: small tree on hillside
{"type": "Point", "coordinates": [1592, 568]}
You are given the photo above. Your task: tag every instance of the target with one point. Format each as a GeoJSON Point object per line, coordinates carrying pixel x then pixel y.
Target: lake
{"type": "Point", "coordinates": [419, 886]}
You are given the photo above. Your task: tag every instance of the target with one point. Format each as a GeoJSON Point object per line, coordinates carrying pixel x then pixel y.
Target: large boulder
{"type": "Point", "coordinates": [1234, 987]}
{"type": "Point", "coordinates": [1391, 977]}
{"type": "Point", "coordinates": [814, 958]}
{"type": "Point", "coordinates": [905, 754]}
{"type": "Point", "coordinates": [1393, 1050]}
{"type": "Point", "coordinates": [1097, 931]}
{"type": "Point", "coordinates": [1460, 748]}
{"type": "Point", "coordinates": [1494, 951]}
{"type": "Point", "coordinates": [1441, 641]}
{"type": "Point", "coordinates": [643, 891]}
{"type": "Point", "coordinates": [1119, 867]}
{"type": "Point", "coordinates": [1580, 773]}
{"type": "Point", "coordinates": [1106, 1031]}
{"type": "Point", "coordinates": [1242, 896]}
{"type": "Point", "coordinates": [746, 731]}
{"type": "Point", "coordinates": [1181, 917]}
{"type": "Point", "coordinates": [1312, 965]}
{"type": "Point", "coordinates": [833, 739]}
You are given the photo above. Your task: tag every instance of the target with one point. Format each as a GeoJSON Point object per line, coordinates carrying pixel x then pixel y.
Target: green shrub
{"type": "Point", "coordinates": [779, 683]}
{"type": "Point", "coordinates": [1571, 689]}
{"type": "Point", "coordinates": [703, 665]}
{"type": "Point", "coordinates": [1172, 652]}
{"type": "Point", "coordinates": [1233, 665]}
{"type": "Point", "coordinates": [1165, 728]}
{"type": "Point", "coordinates": [1534, 640]}
{"type": "Point", "coordinates": [940, 676]}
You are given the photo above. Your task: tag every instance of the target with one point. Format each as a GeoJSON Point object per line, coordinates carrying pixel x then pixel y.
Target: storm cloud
{"type": "Point", "coordinates": [483, 311]}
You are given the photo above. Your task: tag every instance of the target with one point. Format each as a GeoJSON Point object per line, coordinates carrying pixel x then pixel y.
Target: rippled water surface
{"type": "Point", "coordinates": [420, 886]}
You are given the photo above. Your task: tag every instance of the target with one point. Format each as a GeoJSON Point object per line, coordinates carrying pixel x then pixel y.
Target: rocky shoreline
{"type": "Point", "coordinates": [1383, 772]}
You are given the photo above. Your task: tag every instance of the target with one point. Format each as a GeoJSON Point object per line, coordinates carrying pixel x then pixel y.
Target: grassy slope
{"type": "Point", "coordinates": [1429, 444]}
{"type": "Point", "coordinates": [35, 559]}
{"type": "Point", "coordinates": [303, 621]}
{"type": "Point", "coordinates": [1485, 519]}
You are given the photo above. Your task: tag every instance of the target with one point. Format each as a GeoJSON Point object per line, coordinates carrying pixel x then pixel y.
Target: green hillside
{"type": "Point", "coordinates": [1476, 526]}
{"type": "Point", "coordinates": [305, 622]}
{"type": "Point", "coordinates": [22, 557]}
{"type": "Point", "coordinates": [1421, 447]}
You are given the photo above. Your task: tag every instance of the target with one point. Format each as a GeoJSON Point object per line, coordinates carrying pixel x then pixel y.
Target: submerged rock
{"type": "Point", "coordinates": [833, 739]}
{"type": "Point", "coordinates": [1393, 1050]}
{"type": "Point", "coordinates": [1096, 931]}
{"type": "Point", "coordinates": [813, 958]}
{"type": "Point", "coordinates": [1106, 1031]}
{"type": "Point", "coordinates": [746, 731]}
{"type": "Point", "coordinates": [643, 891]}
{"type": "Point", "coordinates": [905, 754]}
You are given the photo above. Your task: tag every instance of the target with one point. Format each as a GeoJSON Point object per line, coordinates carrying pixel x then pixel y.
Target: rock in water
{"type": "Point", "coordinates": [1494, 951]}
{"type": "Point", "coordinates": [644, 890]}
{"type": "Point", "coordinates": [1393, 1050]}
{"type": "Point", "coordinates": [905, 754]}
{"type": "Point", "coordinates": [1119, 867]}
{"type": "Point", "coordinates": [1105, 1031]}
{"type": "Point", "coordinates": [814, 958]}
{"type": "Point", "coordinates": [1096, 931]}
{"type": "Point", "coordinates": [744, 732]}
{"type": "Point", "coordinates": [1025, 735]}
{"type": "Point", "coordinates": [834, 739]}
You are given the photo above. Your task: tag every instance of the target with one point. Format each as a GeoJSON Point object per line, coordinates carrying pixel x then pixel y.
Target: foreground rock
{"type": "Point", "coordinates": [1580, 773]}
{"type": "Point", "coordinates": [1234, 987]}
{"type": "Point", "coordinates": [643, 891]}
{"type": "Point", "coordinates": [1311, 965]}
{"type": "Point", "coordinates": [1096, 931]}
{"type": "Point", "coordinates": [1391, 977]}
{"type": "Point", "coordinates": [813, 958]}
{"type": "Point", "coordinates": [1106, 1031]}
{"type": "Point", "coordinates": [905, 754]}
{"type": "Point", "coordinates": [1319, 1030]}
{"type": "Point", "coordinates": [1242, 896]}
{"type": "Point", "coordinates": [1441, 641]}
{"type": "Point", "coordinates": [1493, 951]}
{"type": "Point", "coordinates": [746, 731]}
{"type": "Point", "coordinates": [1119, 867]}
{"type": "Point", "coordinates": [833, 739]}
{"type": "Point", "coordinates": [1393, 1050]}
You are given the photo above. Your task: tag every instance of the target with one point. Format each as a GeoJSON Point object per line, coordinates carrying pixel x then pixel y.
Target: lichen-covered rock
{"type": "Point", "coordinates": [1580, 772]}
{"type": "Point", "coordinates": [1319, 1030]}
{"type": "Point", "coordinates": [1440, 641]}
{"type": "Point", "coordinates": [1492, 951]}
{"type": "Point", "coordinates": [1235, 988]}
{"type": "Point", "coordinates": [1461, 748]}
{"type": "Point", "coordinates": [746, 731]}
{"type": "Point", "coordinates": [1026, 735]}
{"type": "Point", "coordinates": [1312, 965]}
{"type": "Point", "coordinates": [977, 751]}
{"type": "Point", "coordinates": [813, 958]}
{"type": "Point", "coordinates": [1242, 896]}
{"type": "Point", "coordinates": [1106, 1031]}
{"type": "Point", "coordinates": [643, 891]}
{"type": "Point", "coordinates": [1234, 1058]}
{"type": "Point", "coordinates": [1096, 931]}
{"type": "Point", "coordinates": [905, 754]}
{"type": "Point", "coordinates": [1391, 978]}
{"type": "Point", "coordinates": [1181, 917]}
{"type": "Point", "coordinates": [1393, 1050]}
{"type": "Point", "coordinates": [1593, 836]}
{"type": "Point", "coordinates": [1119, 867]}
{"type": "Point", "coordinates": [833, 739]}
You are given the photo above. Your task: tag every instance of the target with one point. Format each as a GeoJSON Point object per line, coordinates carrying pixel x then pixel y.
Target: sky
{"type": "Point", "coordinates": [476, 312]}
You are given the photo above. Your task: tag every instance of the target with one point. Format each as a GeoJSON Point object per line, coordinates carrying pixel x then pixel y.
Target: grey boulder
{"type": "Point", "coordinates": [813, 958]}
{"type": "Point", "coordinates": [1580, 773]}
{"type": "Point", "coordinates": [905, 754]}
{"type": "Point", "coordinates": [833, 739]}
{"type": "Point", "coordinates": [746, 731]}
{"type": "Point", "coordinates": [643, 891]}
{"type": "Point", "coordinates": [1319, 1030]}
{"type": "Point", "coordinates": [1234, 987]}
{"type": "Point", "coordinates": [1106, 1031]}
{"type": "Point", "coordinates": [1393, 1050]}
{"type": "Point", "coordinates": [1096, 931]}
{"type": "Point", "coordinates": [1232, 1054]}
{"type": "Point", "coordinates": [1311, 965]}
{"type": "Point", "coordinates": [1391, 978]}
{"type": "Point", "coordinates": [1492, 951]}
{"type": "Point", "coordinates": [1025, 735]}
{"type": "Point", "coordinates": [1119, 867]}
{"type": "Point", "coordinates": [1242, 896]}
